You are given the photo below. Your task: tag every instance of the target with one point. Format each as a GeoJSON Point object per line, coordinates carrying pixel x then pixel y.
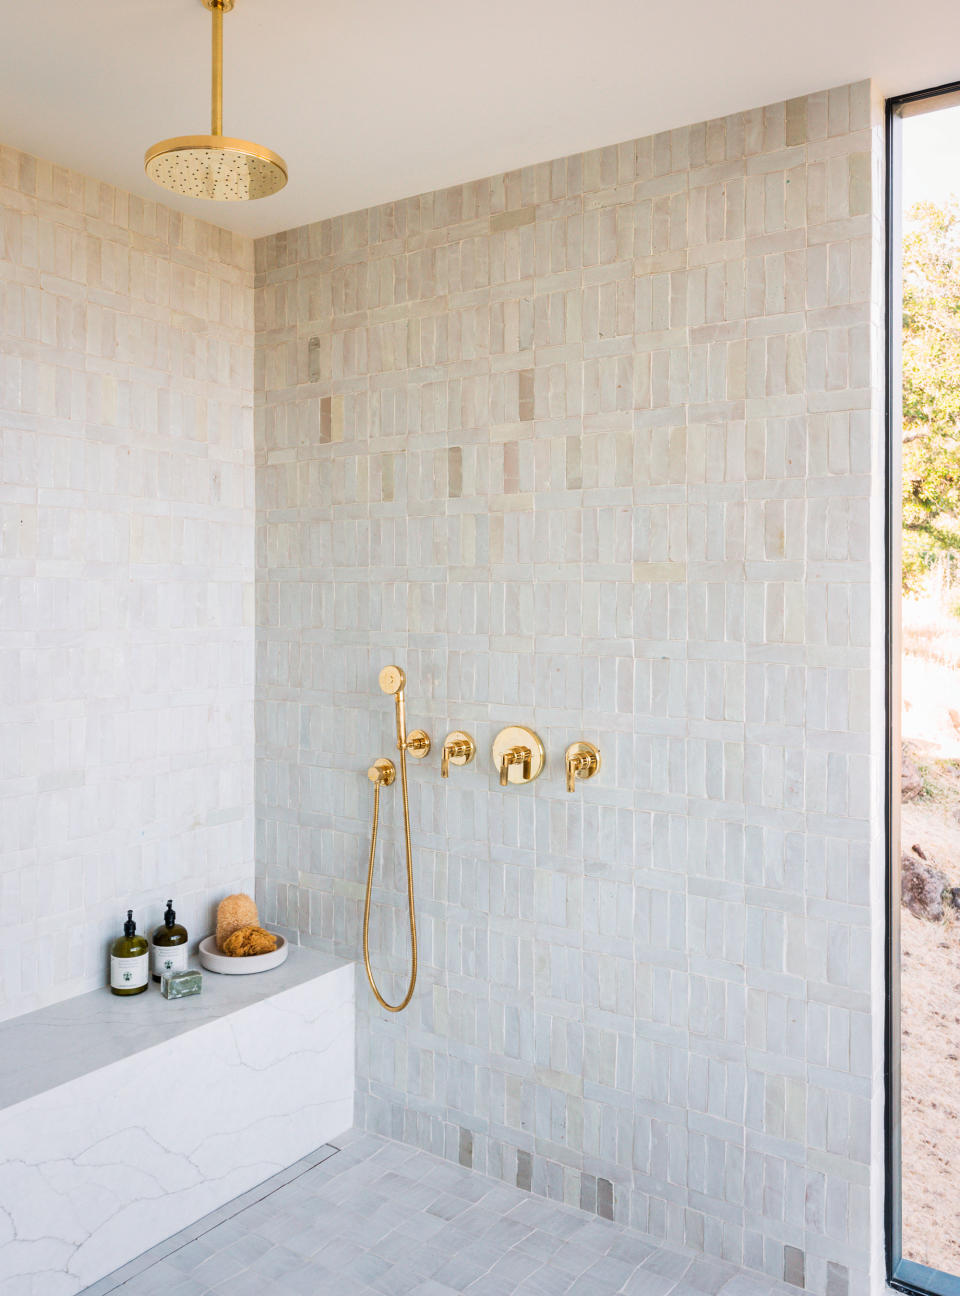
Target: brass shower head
{"type": "Point", "coordinates": [215, 165]}
{"type": "Point", "coordinates": [392, 679]}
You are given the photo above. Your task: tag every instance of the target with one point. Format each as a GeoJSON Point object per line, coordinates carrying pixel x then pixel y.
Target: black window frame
{"type": "Point", "coordinates": [902, 1274]}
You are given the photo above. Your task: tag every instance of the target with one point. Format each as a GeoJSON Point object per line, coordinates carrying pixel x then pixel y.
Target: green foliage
{"type": "Point", "coordinates": [931, 389]}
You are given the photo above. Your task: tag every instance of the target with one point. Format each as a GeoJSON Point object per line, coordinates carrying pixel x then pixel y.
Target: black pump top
{"type": "Point", "coordinates": [129, 927]}
{"type": "Point", "coordinates": [170, 917]}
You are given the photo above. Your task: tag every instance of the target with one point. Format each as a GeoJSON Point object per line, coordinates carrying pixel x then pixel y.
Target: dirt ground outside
{"type": "Point", "coordinates": [930, 950]}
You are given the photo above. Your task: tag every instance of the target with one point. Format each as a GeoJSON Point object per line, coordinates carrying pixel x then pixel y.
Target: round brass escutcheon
{"type": "Point", "coordinates": [223, 5]}
{"type": "Point", "coordinates": [382, 771]}
{"type": "Point", "coordinates": [524, 751]}
{"type": "Point", "coordinates": [418, 743]}
{"type": "Point", "coordinates": [392, 679]}
{"type": "Point", "coordinates": [463, 748]}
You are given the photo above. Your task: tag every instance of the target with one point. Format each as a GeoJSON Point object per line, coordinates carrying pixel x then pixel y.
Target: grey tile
{"type": "Point", "coordinates": [402, 1278]}
{"type": "Point", "coordinates": [606, 1275]}
{"type": "Point", "coordinates": [627, 1246]}
{"type": "Point", "coordinates": [573, 1259]}
{"type": "Point", "coordinates": [382, 1219]}
{"type": "Point", "coordinates": [187, 1258]}
{"type": "Point", "coordinates": [793, 1266]}
{"type": "Point", "coordinates": [669, 1264]}
{"type": "Point", "coordinates": [490, 1286]}
{"type": "Point", "coordinates": [643, 1282]}
{"type": "Point", "coordinates": [537, 1243]}
{"type": "Point", "coordinates": [465, 1151]}
{"type": "Point", "coordinates": [838, 1279]}
{"type": "Point", "coordinates": [748, 1284]}
{"type": "Point", "coordinates": [545, 1281]}
{"type": "Point", "coordinates": [708, 1275]}
{"type": "Point", "coordinates": [605, 1198]}
{"type": "Point", "coordinates": [447, 1207]}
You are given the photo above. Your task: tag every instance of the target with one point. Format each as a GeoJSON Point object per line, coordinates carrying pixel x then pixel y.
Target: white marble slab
{"type": "Point", "coordinates": [127, 1127]}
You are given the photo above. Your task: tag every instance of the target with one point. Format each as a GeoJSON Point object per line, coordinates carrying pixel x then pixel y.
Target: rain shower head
{"type": "Point", "coordinates": [216, 166]}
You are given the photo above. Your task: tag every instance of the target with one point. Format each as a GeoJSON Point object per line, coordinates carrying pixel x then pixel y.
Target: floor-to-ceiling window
{"type": "Point", "coordinates": [924, 667]}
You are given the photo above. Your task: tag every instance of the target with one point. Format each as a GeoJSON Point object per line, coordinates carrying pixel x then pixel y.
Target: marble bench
{"type": "Point", "coordinates": [123, 1120]}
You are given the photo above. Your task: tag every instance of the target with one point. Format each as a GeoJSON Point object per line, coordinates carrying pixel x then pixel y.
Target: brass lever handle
{"type": "Point", "coordinates": [515, 756]}
{"type": "Point", "coordinates": [459, 748]}
{"type": "Point", "coordinates": [575, 766]}
{"type": "Point", "coordinates": [582, 761]}
{"type": "Point", "coordinates": [518, 755]}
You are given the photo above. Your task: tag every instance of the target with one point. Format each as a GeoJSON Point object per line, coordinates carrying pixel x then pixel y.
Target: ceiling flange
{"type": "Point", "coordinates": [223, 5]}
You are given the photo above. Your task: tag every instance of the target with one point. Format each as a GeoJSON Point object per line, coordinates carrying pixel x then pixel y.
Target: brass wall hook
{"type": "Point", "coordinates": [418, 743]}
{"type": "Point", "coordinates": [458, 749]}
{"type": "Point", "coordinates": [518, 755]}
{"type": "Point", "coordinates": [582, 760]}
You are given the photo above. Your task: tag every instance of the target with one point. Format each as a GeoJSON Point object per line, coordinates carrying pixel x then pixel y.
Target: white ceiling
{"type": "Point", "coordinates": [379, 100]}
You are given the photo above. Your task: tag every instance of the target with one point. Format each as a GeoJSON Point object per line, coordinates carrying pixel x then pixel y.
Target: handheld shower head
{"type": "Point", "coordinates": [392, 679]}
{"type": "Point", "coordinates": [381, 774]}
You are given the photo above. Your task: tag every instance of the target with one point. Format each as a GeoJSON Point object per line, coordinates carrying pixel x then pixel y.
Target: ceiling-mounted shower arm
{"type": "Point", "coordinates": [217, 9]}
{"type": "Point", "coordinates": [215, 166]}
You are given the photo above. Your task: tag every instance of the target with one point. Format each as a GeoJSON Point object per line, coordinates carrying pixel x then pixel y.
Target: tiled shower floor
{"type": "Point", "coordinates": [377, 1218]}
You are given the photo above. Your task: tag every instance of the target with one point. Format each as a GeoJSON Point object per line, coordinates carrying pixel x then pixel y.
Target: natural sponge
{"type": "Point", "coordinates": [234, 912]}
{"type": "Point", "coordinates": [249, 940]}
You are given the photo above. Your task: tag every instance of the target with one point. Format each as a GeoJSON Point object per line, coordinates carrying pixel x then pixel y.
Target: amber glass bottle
{"type": "Point", "coordinates": [169, 946]}
{"type": "Point", "coordinates": [129, 961]}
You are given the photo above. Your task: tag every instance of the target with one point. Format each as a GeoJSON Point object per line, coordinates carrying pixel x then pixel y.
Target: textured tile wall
{"type": "Point", "coordinates": [126, 572]}
{"type": "Point", "coordinates": [594, 446]}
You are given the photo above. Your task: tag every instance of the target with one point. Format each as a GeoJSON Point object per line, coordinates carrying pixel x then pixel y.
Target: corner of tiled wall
{"type": "Point", "coordinates": [126, 536]}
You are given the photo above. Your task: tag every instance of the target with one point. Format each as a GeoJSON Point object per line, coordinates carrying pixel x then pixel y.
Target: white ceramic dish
{"type": "Point", "coordinates": [214, 961]}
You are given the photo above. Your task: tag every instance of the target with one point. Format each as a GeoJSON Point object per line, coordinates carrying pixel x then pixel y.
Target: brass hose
{"type": "Point", "coordinates": [366, 906]}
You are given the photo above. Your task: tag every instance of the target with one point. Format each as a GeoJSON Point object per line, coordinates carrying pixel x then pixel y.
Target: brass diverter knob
{"type": "Point", "coordinates": [518, 755]}
{"type": "Point", "coordinates": [458, 749]}
{"type": "Point", "coordinates": [382, 772]}
{"type": "Point", "coordinates": [582, 761]}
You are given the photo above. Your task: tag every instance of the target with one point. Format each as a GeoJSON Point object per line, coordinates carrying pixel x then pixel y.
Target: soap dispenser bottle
{"type": "Point", "coordinates": [168, 951]}
{"type": "Point", "coordinates": [129, 961]}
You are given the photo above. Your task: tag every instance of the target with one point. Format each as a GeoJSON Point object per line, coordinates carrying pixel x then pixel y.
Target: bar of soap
{"type": "Point", "coordinates": [178, 985]}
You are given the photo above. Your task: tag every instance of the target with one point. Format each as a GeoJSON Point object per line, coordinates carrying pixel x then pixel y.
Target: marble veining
{"type": "Point", "coordinates": [100, 1168]}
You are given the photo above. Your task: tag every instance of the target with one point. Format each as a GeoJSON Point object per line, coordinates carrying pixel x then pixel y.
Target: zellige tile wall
{"type": "Point", "coordinates": [126, 572]}
{"type": "Point", "coordinates": [594, 446]}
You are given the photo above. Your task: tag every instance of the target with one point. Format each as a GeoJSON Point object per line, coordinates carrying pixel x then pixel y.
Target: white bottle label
{"type": "Point", "coordinates": [129, 973]}
{"type": "Point", "coordinates": [168, 958]}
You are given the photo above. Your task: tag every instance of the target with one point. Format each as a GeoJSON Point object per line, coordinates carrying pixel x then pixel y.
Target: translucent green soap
{"type": "Point", "coordinates": [178, 985]}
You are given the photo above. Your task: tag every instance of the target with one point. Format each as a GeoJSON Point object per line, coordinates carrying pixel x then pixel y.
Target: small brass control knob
{"type": "Point", "coordinates": [418, 744]}
{"type": "Point", "coordinates": [382, 772]}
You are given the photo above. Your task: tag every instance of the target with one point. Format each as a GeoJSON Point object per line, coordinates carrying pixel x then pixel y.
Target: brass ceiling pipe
{"type": "Point", "coordinates": [216, 166]}
{"type": "Point", "coordinates": [217, 9]}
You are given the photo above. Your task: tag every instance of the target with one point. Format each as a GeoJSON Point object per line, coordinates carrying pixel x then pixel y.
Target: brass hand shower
{"type": "Point", "coordinates": [382, 774]}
